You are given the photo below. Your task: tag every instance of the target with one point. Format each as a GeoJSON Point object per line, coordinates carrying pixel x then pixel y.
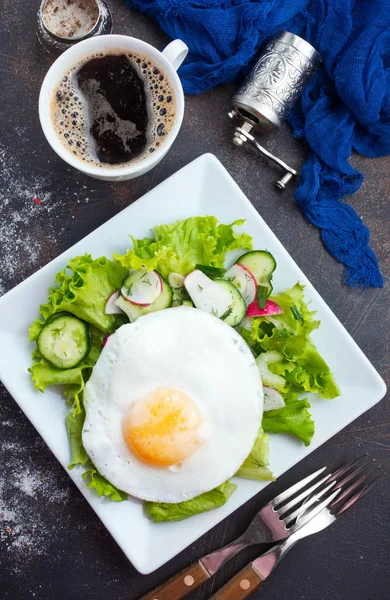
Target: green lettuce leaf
{"type": "Point", "coordinates": [158, 511]}
{"type": "Point", "coordinates": [97, 482]}
{"type": "Point", "coordinates": [294, 297]}
{"type": "Point", "coordinates": [255, 465]}
{"type": "Point", "coordinates": [179, 246]}
{"type": "Point", "coordinates": [83, 289]}
{"type": "Point", "coordinates": [289, 361]}
{"type": "Point", "coordinates": [283, 332]}
{"type": "Point", "coordinates": [74, 424]}
{"type": "Point", "coordinates": [300, 364]}
{"type": "Point", "coordinates": [294, 418]}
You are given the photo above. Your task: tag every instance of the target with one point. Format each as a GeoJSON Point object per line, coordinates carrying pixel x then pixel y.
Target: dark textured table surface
{"type": "Point", "coordinates": [52, 544]}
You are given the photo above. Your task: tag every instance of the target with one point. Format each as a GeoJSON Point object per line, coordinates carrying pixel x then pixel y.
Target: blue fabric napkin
{"type": "Point", "coordinates": [345, 107]}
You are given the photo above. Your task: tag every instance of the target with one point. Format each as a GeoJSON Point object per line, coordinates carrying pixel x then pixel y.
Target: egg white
{"type": "Point", "coordinates": [192, 351]}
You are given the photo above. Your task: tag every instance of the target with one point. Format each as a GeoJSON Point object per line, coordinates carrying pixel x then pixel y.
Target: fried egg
{"type": "Point", "coordinates": [173, 405]}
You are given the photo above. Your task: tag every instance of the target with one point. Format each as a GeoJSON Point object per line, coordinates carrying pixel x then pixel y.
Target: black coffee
{"type": "Point", "coordinates": [117, 107]}
{"type": "Point", "coordinates": [113, 109]}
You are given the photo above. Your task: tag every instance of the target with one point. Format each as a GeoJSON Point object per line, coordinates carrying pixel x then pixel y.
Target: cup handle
{"type": "Point", "coordinates": [175, 53]}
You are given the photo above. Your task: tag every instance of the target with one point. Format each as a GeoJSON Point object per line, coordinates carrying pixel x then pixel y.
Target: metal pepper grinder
{"type": "Point", "coordinates": [266, 97]}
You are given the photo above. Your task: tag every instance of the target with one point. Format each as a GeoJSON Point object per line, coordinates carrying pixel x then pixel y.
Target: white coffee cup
{"type": "Point", "coordinates": [169, 60]}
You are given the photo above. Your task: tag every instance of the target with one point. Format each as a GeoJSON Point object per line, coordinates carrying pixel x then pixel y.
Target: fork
{"type": "Point", "coordinates": [274, 522]}
{"type": "Point", "coordinates": [255, 573]}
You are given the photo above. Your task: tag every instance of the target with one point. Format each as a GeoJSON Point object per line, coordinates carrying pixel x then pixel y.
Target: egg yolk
{"type": "Point", "coordinates": [163, 428]}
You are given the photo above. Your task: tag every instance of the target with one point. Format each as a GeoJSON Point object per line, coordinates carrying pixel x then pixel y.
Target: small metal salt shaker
{"type": "Point", "coordinates": [266, 97]}
{"type": "Point", "coordinates": [54, 43]}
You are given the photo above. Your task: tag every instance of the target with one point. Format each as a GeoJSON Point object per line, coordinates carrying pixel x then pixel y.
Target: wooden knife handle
{"type": "Point", "coordinates": [241, 586]}
{"type": "Point", "coordinates": [181, 584]}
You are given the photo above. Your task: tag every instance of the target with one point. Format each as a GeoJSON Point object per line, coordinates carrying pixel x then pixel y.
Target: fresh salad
{"type": "Point", "coordinates": [185, 263]}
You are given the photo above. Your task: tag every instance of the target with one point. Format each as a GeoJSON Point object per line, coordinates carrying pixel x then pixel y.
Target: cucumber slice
{"type": "Point", "coordinates": [235, 314]}
{"type": "Point", "coordinates": [142, 288]}
{"type": "Point", "coordinates": [268, 285]}
{"type": "Point", "coordinates": [134, 312]}
{"type": "Point", "coordinates": [268, 378]}
{"type": "Point", "coordinates": [207, 295]}
{"type": "Point", "coordinates": [64, 341]}
{"type": "Point", "coordinates": [261, 264]}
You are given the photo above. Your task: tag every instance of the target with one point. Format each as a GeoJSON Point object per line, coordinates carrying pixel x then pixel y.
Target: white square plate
{"type": "Point", "coordinates": [201, 188]}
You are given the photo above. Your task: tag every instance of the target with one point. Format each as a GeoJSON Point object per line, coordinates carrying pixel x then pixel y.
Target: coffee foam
{"type": "Point", "coordinates": [70, 118]}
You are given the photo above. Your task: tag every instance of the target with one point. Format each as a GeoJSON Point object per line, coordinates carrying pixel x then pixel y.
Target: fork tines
{"type": "Point", "coordinates": [360, 487]}
{"type": "Point", "coordinates": [333, 490]}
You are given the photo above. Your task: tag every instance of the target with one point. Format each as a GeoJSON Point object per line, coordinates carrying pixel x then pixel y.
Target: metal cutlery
{"type": "Point", "coordinates": [255, 573]}
{"type": "Point", "coordinates": [276, 521]}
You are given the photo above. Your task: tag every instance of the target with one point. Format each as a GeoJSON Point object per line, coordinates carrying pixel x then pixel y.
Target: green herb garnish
{"type": "Point", "coordinates": [297, 315]}
{"type": "Point", "coordinates": [128, 289]}
{"type": "Point", "coordinates": [211, 271]}
{"type": "Point", "coordinates": [227, 313]}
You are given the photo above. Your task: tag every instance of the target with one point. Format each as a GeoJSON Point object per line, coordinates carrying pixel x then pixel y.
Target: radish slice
{"type": "Point", "coordinates": [142, 288]}
{"type": "Point", "coordinates": [111, 308]}
{"type": "Point", "coordinates": [207, 295]}
{"type": "Point", "coordinates": [105, 339]}
{"type": "Point", "coordinates": [271, 308]}
{"type": "Point", "coordinates": [244, 281]}
{"type": "Point", "coordinates": [272, 399]}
